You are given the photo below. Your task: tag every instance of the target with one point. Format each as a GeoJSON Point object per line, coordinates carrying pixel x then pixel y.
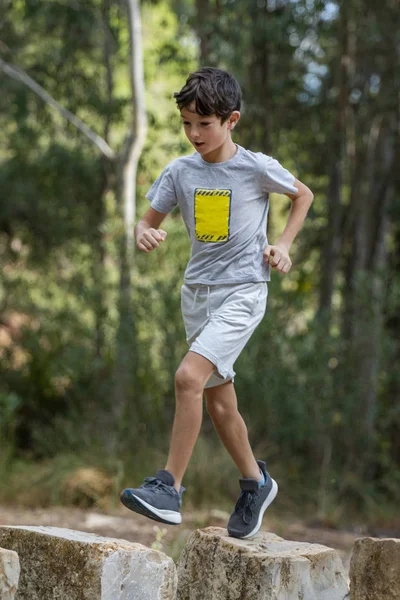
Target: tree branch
{"type": "Point", "coordinates": [19, 75]}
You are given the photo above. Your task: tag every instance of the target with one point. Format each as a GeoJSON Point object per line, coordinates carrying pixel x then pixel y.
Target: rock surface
{"type": "Point", "coordinates": [70, 565]}
{"type": "Point", "coordinates": [214, 566]}
{"type": "Point", "coordinates": [375, 569]}
{"type": "Point", "coordinates": [9, 574]}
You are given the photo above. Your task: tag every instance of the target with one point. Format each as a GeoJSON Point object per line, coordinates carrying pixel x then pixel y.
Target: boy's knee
{"type": "Point", "coordinates": [186, 380]}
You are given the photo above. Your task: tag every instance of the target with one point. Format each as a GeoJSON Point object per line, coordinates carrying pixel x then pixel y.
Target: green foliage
{"type": "Point", "coordinates": [299, 381]}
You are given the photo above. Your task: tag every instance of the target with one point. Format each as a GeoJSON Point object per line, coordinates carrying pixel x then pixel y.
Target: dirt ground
{"type": "Point", "coordinates": [120, 523]}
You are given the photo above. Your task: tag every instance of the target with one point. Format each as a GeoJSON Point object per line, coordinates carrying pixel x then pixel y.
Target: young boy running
{"type": "Point", "coordinates": [222, 191]}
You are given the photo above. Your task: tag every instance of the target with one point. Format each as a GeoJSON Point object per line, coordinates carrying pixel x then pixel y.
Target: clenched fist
{"type": "Point", "coordinates": [278, 257]}
{"type": "Point", "coordinates": [149, 239]}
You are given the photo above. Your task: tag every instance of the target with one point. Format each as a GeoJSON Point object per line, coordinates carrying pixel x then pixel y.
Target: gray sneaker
{"type": "Point", "coordinates": [156, 499]}
{"type": "Point", "coordinates": [253, 501]}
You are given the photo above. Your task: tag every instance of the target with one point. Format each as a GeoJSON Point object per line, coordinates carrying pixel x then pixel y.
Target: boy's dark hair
{"type": "Point", "coordinates": [213, 91]}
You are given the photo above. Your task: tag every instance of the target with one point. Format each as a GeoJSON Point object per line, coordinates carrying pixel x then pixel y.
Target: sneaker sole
{"type": "Point", "coordinates": [136, 504]}
{"type": "Point", "coordinates": [268, 500]}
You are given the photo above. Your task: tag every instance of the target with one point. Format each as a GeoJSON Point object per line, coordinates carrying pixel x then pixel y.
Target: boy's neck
{"type": "Point", "coordinates": [221, 154]}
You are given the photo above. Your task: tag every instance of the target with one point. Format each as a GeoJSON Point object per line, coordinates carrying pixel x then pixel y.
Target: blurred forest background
{"type": "Point", "coordinates": [90, 336]}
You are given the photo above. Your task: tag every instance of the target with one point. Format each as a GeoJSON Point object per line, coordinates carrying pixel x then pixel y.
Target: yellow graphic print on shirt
{"type": "Point", "coordinates": [212, 210]}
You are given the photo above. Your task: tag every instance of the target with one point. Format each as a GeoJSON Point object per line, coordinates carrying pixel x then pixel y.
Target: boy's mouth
{"type": "Point", "coordinates": [198, 144]}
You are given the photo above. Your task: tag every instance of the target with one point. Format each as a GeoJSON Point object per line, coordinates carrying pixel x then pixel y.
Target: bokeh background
{"type": "Point", "coordinates": [91, 333]}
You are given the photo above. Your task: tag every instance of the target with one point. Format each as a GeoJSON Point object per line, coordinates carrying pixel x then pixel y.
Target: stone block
{"type": "Point", "coordinates": [9, 574]}
{"type": "Point", "coordinates": [61, 564]}
{"type": "Point", "coordinates": [214, 566]}
{"type": "Point", "coordinates": [375, 569]}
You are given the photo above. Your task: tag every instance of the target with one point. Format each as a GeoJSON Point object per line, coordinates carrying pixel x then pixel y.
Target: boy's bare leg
{"type": "Point", "coordinates": [190, 379]}
{"type": "Point", "coordinates": [231, 428]}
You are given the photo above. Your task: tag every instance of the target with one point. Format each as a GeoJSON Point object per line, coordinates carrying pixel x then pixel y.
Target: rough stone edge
{"type": "Point", "coordinates": [10, 557]}
{"type": "Point", "coordinates": [361, 546]}
{"type": "Point", "coordinates": [93, 538]}
{"type": "Point", "coordinates": [245, 547]}
{"type": "Point", "coordinates": [107, 547]}
{"type": "Point", "coordinates": [167, 572]}
{"type": "Point", "coordinates": [221, 539]}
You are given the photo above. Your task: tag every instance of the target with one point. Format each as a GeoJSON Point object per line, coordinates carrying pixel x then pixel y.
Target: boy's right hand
{"type": "Point", "coordinates": [149, 239]}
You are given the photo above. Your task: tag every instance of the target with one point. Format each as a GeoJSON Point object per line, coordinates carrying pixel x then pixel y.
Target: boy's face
{"type": "Point", "coordinates": [207, 134]}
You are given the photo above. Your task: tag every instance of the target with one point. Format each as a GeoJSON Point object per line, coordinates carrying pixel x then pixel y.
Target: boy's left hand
{"type": "Point", "coordinates": [278, 257]}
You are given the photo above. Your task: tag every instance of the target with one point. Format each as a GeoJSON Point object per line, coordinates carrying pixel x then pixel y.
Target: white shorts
{"type": "Point", "coordinates": [219, 321]}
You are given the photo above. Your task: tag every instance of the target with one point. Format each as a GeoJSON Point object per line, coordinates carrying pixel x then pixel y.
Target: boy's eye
{"type": "Point", "coordinates": [186, 122]}
{"type": "Point", "coordinates": [205, 124]}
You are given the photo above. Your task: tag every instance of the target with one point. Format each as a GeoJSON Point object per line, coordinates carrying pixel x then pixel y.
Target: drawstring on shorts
{"type": "Point", "coordinates": [208, 299]}
{"type": "Point", "coordinates": [195, 298]}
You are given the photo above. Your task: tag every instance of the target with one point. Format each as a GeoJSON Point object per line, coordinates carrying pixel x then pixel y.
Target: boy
{"type": "Point", "coordinates": [222, 191]}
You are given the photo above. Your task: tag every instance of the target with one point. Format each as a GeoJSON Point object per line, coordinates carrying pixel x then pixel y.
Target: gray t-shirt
{"type": "Point", "coordinates": [224, 207]}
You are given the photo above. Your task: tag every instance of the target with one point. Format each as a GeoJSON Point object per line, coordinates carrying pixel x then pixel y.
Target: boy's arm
{"type": "Point", "coordinates": [278, 254]}
{"type": "Point", "coordinates": [147, 233]}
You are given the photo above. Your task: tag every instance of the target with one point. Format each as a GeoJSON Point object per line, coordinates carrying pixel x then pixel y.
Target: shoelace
{"type": "Point", "coordinates": [245, 505]}
{"type": "Point", "coordinates": [159, 486]}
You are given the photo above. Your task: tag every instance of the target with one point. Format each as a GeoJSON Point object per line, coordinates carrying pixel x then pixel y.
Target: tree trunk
{"type": "Point", "coordinates": [139, 128]}
{"type": "Point", "coordinates": [366, 266]}
{"type": "Point", "coordinates": [202, 25]}
{"type": "Point", "coordinates": [370, 156]}
{"type": "Point", "coordinates": [124, 372]}
{"type": "Point", "coordinates": [333, 240]}
{"type": "Point", "coordinates": [99, 255]}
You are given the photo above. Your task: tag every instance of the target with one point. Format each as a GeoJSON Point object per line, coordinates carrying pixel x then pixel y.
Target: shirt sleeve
{"type": "Point", "coordinates": [162, 194]}
{"type": "Point", "coordinates": [276, 178]}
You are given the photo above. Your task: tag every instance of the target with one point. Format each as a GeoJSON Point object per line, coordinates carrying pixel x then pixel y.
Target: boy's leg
{"type": "Point", "coordinates": [258, 489]}
{"type": "Point", "coordinates": [190, 379]}
{"type": "Point", "coordinates": [160, 497]}
{"type": "Point", "coordinates": [221, 403]}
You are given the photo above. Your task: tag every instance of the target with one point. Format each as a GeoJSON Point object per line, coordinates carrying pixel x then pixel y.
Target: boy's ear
{"type": "Point", "coordinates": [233, 119]}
